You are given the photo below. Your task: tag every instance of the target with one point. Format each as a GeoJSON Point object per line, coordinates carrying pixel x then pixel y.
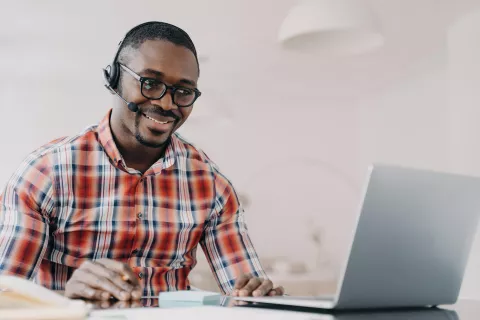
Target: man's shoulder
{"type": "Point", "coordinates": [85, 140]}
{"type": "Point", "coordinates": [191, 152]}
{"type": "Point", "coordinates": [199, 161]}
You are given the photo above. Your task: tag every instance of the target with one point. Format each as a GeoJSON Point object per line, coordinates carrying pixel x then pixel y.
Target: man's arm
{"type": "Point", "coordinates": [227, 245]}
{"type": "Point", "coordinates": [24, 204]}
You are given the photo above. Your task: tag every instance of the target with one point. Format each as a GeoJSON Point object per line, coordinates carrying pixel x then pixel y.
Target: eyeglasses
{"type": "Point", "coordinates": [155, 89]}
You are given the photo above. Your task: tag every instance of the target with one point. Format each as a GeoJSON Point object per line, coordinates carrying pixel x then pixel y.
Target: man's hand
{"type": "Point", "coordinates": [103, 279]}
{"type": "Point", "coordinates": [247, 285]}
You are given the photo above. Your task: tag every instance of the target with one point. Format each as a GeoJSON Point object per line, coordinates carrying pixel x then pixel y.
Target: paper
{"type": "Point", "coordinates": [23, 299]}
{"type": "Point", "coordinates": [204, 313]}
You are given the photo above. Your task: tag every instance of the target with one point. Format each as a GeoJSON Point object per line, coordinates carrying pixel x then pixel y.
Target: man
{"type": "Point", "coordinates": [120, 209]}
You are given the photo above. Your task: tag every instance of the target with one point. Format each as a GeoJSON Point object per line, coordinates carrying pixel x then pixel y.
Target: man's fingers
{"type": "Point", "coordinates": [122, 276]}
{"type": "Point", "coordinates": [102, 279]}
{"type": "Point", "coordinates": [98, 282]}
{"type": "Point", "coordinates": [79, 290]}
{"type": "Point", "coordinates": [101, 295]}
{"type": "Point", "coordinates": [280, 291]}
{"type": "Point", "coordinates": [83, 291]}
{"type": "Point", "coordinates": [263, 289]}
{"type": "Point", "coordinates": [251, 285]}
{"type": "Point", "coordinates": [122, 269]}
{"type": "Point", "coordinates": [113, 276]}
{"type": "Point", "coordinates": [242, 281]}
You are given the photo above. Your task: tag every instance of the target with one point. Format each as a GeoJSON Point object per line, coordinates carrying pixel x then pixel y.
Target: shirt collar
{"type": "Point", "coordinates": [105, 138]}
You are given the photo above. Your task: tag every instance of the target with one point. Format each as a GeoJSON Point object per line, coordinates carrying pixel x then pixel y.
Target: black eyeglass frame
{"type": "Point", "coordinates": [172, 89]}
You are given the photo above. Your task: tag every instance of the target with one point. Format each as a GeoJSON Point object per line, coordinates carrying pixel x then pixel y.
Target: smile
{"type": "Point", "coordinates": [160, 122]}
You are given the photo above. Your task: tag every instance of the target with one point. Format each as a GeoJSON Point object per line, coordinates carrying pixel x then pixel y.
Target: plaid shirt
{"type": "Point", "coordinates": [75, 199]}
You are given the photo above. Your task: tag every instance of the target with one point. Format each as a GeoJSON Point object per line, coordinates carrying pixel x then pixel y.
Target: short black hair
{"type": "Point", "coordinates": [155, 30]}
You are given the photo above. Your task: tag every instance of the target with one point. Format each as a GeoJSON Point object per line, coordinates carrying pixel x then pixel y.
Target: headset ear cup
{"type": "Point", "coordinates": [106, 75]}
{"type": "Point", "coordinates": [110, 75]}
{"type": "Point", "coordinates": [114, 75]}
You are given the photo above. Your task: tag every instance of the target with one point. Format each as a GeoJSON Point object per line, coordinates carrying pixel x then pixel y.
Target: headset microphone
{"type": "Point", "coordinates": [130, 105]}
{"type": "Point", "coordinates": [106, 75]}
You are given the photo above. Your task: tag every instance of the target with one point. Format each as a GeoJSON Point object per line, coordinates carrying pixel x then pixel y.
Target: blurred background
{"type": "Point", "coordinates": [293, 117]}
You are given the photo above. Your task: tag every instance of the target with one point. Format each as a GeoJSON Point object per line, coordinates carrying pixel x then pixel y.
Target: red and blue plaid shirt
{"type": "Point", "coordinates": [75, 199]}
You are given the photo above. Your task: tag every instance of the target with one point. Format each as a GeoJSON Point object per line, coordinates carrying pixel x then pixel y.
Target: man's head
{"type": "Point", "coordinates": [159, 71]}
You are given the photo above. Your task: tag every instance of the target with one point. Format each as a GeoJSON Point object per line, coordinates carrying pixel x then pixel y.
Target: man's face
{"type": "Point", "coordinates": [156, 120]}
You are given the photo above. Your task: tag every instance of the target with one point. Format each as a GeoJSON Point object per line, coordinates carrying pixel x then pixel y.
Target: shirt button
{"type": "Point", "coordinates": [139, 215]}
{"type": "Point", "coordinates": [140, 275]}
{"type": "Point", "coordinates": [135, 251]}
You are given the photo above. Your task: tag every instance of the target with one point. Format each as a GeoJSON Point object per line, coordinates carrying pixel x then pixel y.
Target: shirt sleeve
{"type": "Point", "coordinates": [24, 204]}
{"type": "Point", "coordinates": [226, 242]}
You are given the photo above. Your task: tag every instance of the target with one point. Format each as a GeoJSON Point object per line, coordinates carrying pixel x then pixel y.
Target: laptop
{"type": "Point", "coordinates": [411, 244]}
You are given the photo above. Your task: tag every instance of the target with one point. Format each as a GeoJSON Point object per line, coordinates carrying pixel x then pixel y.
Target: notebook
{"type": "Point", "coordinates": [24, 299]}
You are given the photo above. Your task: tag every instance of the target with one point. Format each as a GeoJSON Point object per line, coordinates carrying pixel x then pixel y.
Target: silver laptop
{"type": "Point", "coordinates": [411, 244]}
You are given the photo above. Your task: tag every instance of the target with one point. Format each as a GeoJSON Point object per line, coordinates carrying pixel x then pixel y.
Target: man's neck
{"type": "Point", "coordinates": [136, 155]}
{"type": "Point", "coordinates": [140, 157]}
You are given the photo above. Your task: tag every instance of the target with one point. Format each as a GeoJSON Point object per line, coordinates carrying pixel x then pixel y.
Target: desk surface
{"type": "Point", "coordinates": [463, 310]}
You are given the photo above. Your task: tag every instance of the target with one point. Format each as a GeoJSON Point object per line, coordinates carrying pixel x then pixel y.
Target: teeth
{"type": "Point", "coordinates": [161, 122]}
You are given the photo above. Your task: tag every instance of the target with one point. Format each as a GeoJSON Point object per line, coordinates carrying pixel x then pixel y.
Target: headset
{"type": "Point", "coordinates": [111, 73]}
